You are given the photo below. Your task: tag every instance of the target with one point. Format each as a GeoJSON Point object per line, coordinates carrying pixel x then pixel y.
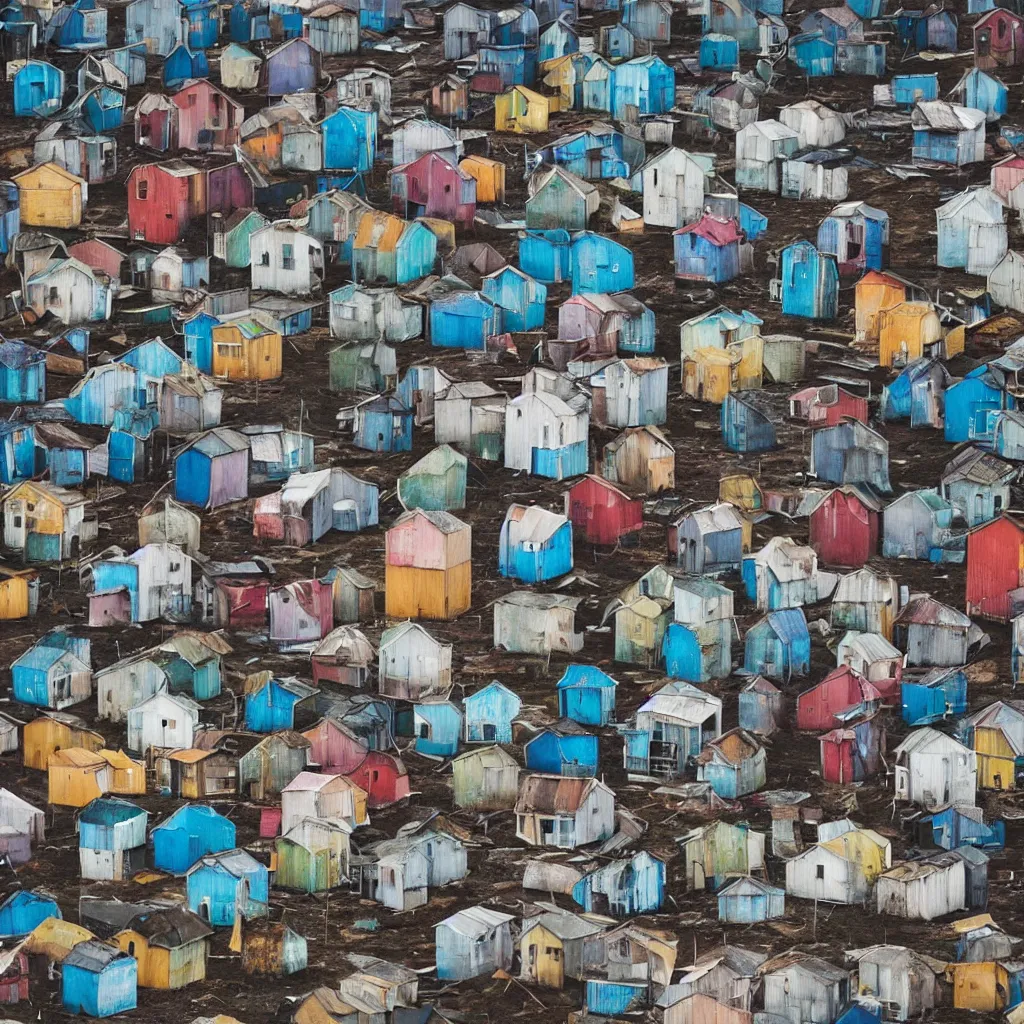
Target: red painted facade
{"type": "Point", "coordinates": [843, 530]}
{"type": "Point", "coordinates": [383, 776]}
{"type": "Point", "coordinates": [853, 753]}
{"type": "Point", "coordinates": [995, 567]}
{"type": "Point", "coordinates": [845, 407]}
{"type": "Point", "coordinates": [998, 39]}
{"type": "Point", "coordinates": [241, 604]}
{"type": "Point", "coordinates": [601, 511]}
{"type": "Point", "coordinates": [432, 187]}
{"type": "Point", "coordinates": [98, 255]}
{"type": "Point", "coordinates": [163, 202]}
{"type": "Point", "coordinates": [841, 688]}
{"type": "Point", "coordinates": [14, 981]}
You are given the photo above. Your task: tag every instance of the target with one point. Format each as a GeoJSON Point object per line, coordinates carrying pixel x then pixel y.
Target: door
{"type": "Point", "coordinates": [14, 524]}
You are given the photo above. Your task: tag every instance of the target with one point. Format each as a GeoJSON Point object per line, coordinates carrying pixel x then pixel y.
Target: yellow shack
{"type": "Point", "coordinates": [245, 349]}
{"type": "Point", "coordinates": [551, 947]}
{"type": "Point", "coordinates": [560, 73]}
{"type": "Point", "coordinates": [874, 292]}
{"type": "Point", "coordinates": [707, 374]}
{"type": "Point", "coordinates": [523, 110]}
{"type": "Point", "coordinates": [53, 731]}
{"type": "Point", "coordinates": [54, 938]}
{"type": "Point", "coordinates": [170, 946]}
{"type": "Point", "coordinates": [908, 331]}
{"type": "Point", "coordinates": [127, 777]}
{"type": "Point", "coordinates": [50, 197]}
{"type": "Point", "coordinates": [19, 593]}
{"type": "Point", "coordinates": [489, 176]}
{"type": "Point", "coordinates": [994, 730]}
{"type": "Point", "coordinates": [981, 987]}
{"type": "Point", "coordinates": [76, 777]}
{"type": "Point", "coordinates": [864, 847]}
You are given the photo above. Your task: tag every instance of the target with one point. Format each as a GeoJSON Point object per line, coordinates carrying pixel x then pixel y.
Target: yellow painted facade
{"type": "Point", "coordinates": [749, 369]}
{"type": "Point", "coordinates": [905, 331]}
{"type": "Point", "coordinates": [442, 230]}
{"type": "Point", "coordinates": [560, 74]}
{"type": "Point", "coordinates": [707, 375]}
{"type": "Point", "coordinates": [874, 292]}
{"type": "Point", "coordinates": [54, 938]}
{"type": "Point", "coordinates": [44, 736]}
{"type": "Point", "coordinates": [239, 356]}
{"type": "Point", "coordinates": [523, 110]}
{"type": "Point", "coordinates": [741, 490]}
{"type": "Point", "coordinates": [75, 777]}
{"type": "Point", "coordinates": [127, 777]}
{"type": "Point", "coordinates": [50, 197]}
{"type": "Point", "coordinates": [865, 848]}
{"type": "Point", "coordinates": [996, 759]}
{"type": "Point", "coordinates": [164, 968]}
{"type": "Point", "coordinates": [489, 175]}
{"type": "Point", "coordinates": [411, 593]}
{"type": "Point", "coordinates": [543, 957]}
{"type": "Point", "coordinates": [976, 986]}
{"type": "Point", "coordinates": [14, 603]}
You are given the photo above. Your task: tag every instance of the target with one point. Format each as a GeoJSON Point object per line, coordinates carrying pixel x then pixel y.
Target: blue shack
{"type": "Point", "coordinates": [850, 452]}
{"type": "Point", "coordinates": [183, 63]}
{"type": "Point", "coordinates": [934, 697]}
{"type": "Point", "coordinates": [270, 703]}
{"type": "Point", "coordinates": [437, 727]}
{"type": "Point", "coordinates": [814, 54]}
{"type": "Point", "coordinates": [294, 66]}
{"type": "Point", "coordinates": [981, 91]}
{"type": "Point", "coordinates": [810, 282]}
{"type": "Point", "coordinates": [544, 255]}
{"type": "Point", "coordinates": [750, 900]}
{"type": "Point", "coordinates": [648, 84]}
{"type": "Point", "coordinates": [221, 884]}
{"type": "Point", "coordinates": [383, 424]}
{"type": "Point", "coordinates": [190, 833]}
{"type": "Point", "coordinates": [778, 646]}
{"type": "Point", "coordinates": [101, 109]}
{"type": "Point", "coordinates": [520, 299]}
{"type": "Point", "coordinates": [203, 23]}
{"type": "Point", "coordinates": [934, 28]}
{"type": "Point", "coordinates": [719, 51]}
{"type": "Point", "coordinates": [157, 23]}
{"type": "Point", "coordinates": [248, 21]}
{"type": "Point", "coordinates": [501, 67]}
{"type": "Point", "coordinates": [559, 39]}
{"type": "Point", "coordinates": [623, 888]}
{"type": "Point", "coordinates": [213, 469]}
{"type": "Point", "coordinates": [55, 672]}
{"type": "Point", "coordinates": [350, 140]}
{"type": "Point", "coordinates": [861, 57]}
{"type": "Point", "coordinates": [586, 695]}
{"type": "Point", "coordinates": [908, 90]}
{"type": "Point", "coordinates": [708, 249]}
{"type": "Point", "coordinates": [857, 235]}
{"type": "Point", "coordinates": [22, 373]}
{"type": "Point", "coordinates": [38, 89]}
{"type": "Point", "coordinates": [953, 827]}
{"type": "Point", "coordinates": [80, 26]}
{"type": "Point", "coordinates": [598, 264]}
{"type": "Point", "coordinates": [866, 10]}
{"type": "Point", "coordinates": [752, 224]}
{"type": "Point", "coordinates": [98, 980]}
{"type": "Point", "coordinates": [198, 332]}
{"type": "Point", "coordinates": [464, 320]}
{"type": "Point", "coordinates": [380, 15]}
{"type": "Point", "coordinates": [918, 393]}
{"type": "Point", "coordinates": [153, 360]}
{"type": "Point", "coordinates": [17, 452]}
{"type": "Point", "coordinates": [734, 18]}
{"type": "Point", "coordinates": [489, 713]}
{"type": "Point", "coordinates": [563, 749]}
{"type": "Point", "coordinates": [698, 653]}
{"type": "Point", "coordinates": [535, 544]}
{"type": "Point", "coordinates": [745, 428]}
{"type": "Point", "coordinates": [971, 404]}
{"type": "Point", "coordinates": [23, 910]}
{"type": "Point", "coordinates": [64, 453]}
{"type": "Point", "coordinates": [10, 214]}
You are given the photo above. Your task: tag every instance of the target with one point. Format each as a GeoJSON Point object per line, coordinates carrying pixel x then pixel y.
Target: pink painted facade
{"type": "Point", "coordinates": [591, 318]}
{"type": "Point", "coordinates": [415, 541]}
{"type": "Point", "coordinates": [1006, 175]}
{"type": "Point", "coordinates": [334, 746]}
{"type": "Point", "coordinates": [110, 609]}
{"type": "Point", "coordinates": [241, 603]}
{"type": "Point", "coordinates": [229, 478]}
{"type": "Point", "coordinates": [301, 611]}
{"type": "Point", "coordinates": [98, 255]}
{"type": "Point", "coordinates": [432, 187]}
{"type": "Point", "coordinates": [208, 120]}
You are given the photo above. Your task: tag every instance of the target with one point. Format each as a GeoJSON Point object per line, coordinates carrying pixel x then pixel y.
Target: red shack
{"type": "Point", "coordinates": [383, 776]}
{"type": "Point", "coordinates": [995, 567]}
{"type": "Point", "coordinates": [826, 406]}
{"type": "Point", "coordinates": [840, 690]}
{"type": "Point", "coordinates": [430, 186]}
{"type": "Point", "coordinates": [844, 527]}
{"type": "Point", "coordinates": [164, 199]}
{"type": "Point", "coordinates": [13, 976]}
{"type": "Point", "coordinates": [605, 514]}
{"type": "Point", "coordinates": [99, 255]}
{"type": "Point", "coordinates": [998, 39]}
{"type": "Point", "coordinates": [854, 752]}
{"type": "Point", "coordinates": [208, 120]}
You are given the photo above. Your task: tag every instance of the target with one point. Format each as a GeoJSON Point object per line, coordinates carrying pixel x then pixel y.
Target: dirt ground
{"type": "Point", "coordinates": [497, 858]}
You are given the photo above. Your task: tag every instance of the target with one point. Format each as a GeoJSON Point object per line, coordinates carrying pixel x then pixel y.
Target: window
{"type": "Point", "coordinates": [655, 177]}
{"type": "Point", "coordinates": [819, 872]}
{"type": "Point", "coordinates": [54, 294]}
{"type": "Point", "coordinates": [287, 257]}
{"type": "Point", "coordinates": [554, 952]}
{"type": "Point", "coordinates": [192, 99]}
{"type": "Point", "coordinates": [141, 189]}
{"type": "Point", "coordinates": [17, 522]}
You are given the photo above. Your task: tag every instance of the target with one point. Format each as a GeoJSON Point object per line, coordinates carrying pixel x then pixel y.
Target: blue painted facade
{"type": "Point", "coordinates": [752, 223]}
{"type": "Point", "coordinates": [778, 646]}
{"type": "Point", "coordinates": [744, 427]}
{"type": "Point", "coordinates": [30, 673]}
{"type": "Point", "coordinates": [489, 713]}
{"type": "Point", "coordinates": [99, 980]}
{"type": "Point", "coordinates": [221, 883]}
{"type": "Point", "coordinates": [38, 89]}
{"type": "Point", "coordinates": [350, 139]}
{"type": "Point", "coordinates": [971, 404]}
{"type": "Point", "coordinates": [810, 282]}
{"type": "Point", "coordinates": [698, 654]}
{"type": "Point", "coordinates": [983, 92]}
{"type": "Point", "coordinates": [749, 901]}
{"type": "Point", "coordinates": [198, 332]}
{"type": "Point", "coordinates": [17, 452]}
{"type": "Point", "coordinates": [736, 19]}
{"type": "Point", "coordinates": [646, 83]}
{"type": "Point", "coordinates": [719, 51]}
{"type": "Point", "coordinates": [919, 30]}
{"type": "Point", "coordinates": [183, 63]}
{"type": "Point", "coordinates": [559, 39]}
{"type": "Point", "coordinates": [521, 299]}
{"type": "Point", "coordinates": [598, 264]}
{"type": "Point", "coordinates": [632, 886]}
{"type": "Point", "coordinates": [939, 695]}
{"type": "Point", "coordinates": [814, 54]}
{"type": "Point", "coordinates": [917, 393]}
{"type": "Point", "coordinates": [203, 23]}
{"type": "Point", "coordinates": [586, 695]}
{"type": "Point", "coordinates": [706, 253]}
{"type": "Point", "coordinates": [22, 373]}
{"type": "Point", "coordinates": [614, 998]}
{"type": "Point", "coordinates": [560, 463]}
{"type": "Point", "coordinates": [910, 89]}
{"type": "Point", "coordinates": [535, 559]}
{"type": "Point", "coordinates": [544, 255]}
{"type": "Point", "coordinates": [506, 66]}
{"type": "Point", "coordinates": [153, 360]}
{"type": "Point", "coordinates": [553, 753]}
{"type": "Point", "coordinates": [874, 231]}
{"type": "Point", "coordinates": [866, 9]}
{"type": "Point", "coordinates": [10, 214]}
{"type": "Point", "coordinates": [861, 57]}
{"type": "Point", "coordinates": [82, 26]}
{"type": "Point", "coordinates": [951, 828]}
{"type": "Point", "coordinates": [271, 707]}
{"type": "Point", "coordinates": [385, 425]}
{"type": "Point", "coordinates": [23, 910]}
{"type": "Point", "coordinates": [464, 320]}
{"type": "Point", "coordinates": [438, 728]}
{"type": "Point", "coordinates": [189, 834]}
